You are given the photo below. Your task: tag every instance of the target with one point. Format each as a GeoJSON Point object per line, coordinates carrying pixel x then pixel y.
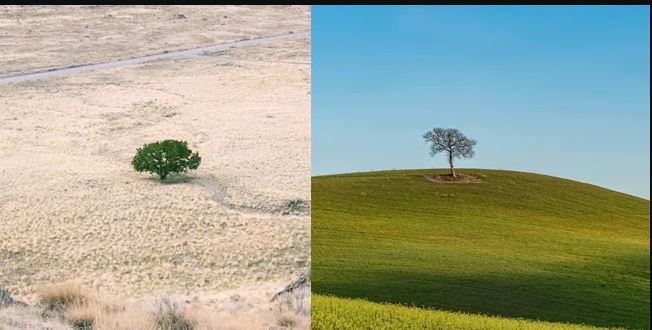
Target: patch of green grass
{"type": "Point", "coordinates": [516, 245]}
{"type": "Point", "coordinates": [355, 314]}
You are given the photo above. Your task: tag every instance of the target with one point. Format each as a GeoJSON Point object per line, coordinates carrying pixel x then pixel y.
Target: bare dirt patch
{"type": "Point", "coordinates": [447, 178]}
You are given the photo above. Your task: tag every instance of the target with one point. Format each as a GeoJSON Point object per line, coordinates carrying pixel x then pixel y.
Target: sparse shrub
{"type": "Point", "coordinates": [84, 316]}
{"type": "Point", "coordinates": [294, 302]}
{"type": "Point", "coordinates": [286, 321]}
{"type": "Point", "coordinates": [82, 323]}
{"type": "Point", "coordinates": [165, 157]}
{"type": "Point", "coordinates": [292, 309]}
{"type": "Point", "coordinates": [170, 317]}
{"type": "Point", "coordinates": [60, 296]}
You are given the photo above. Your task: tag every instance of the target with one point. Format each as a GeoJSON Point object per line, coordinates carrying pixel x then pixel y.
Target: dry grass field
{"type": "Point", "coordinates": [34, 38]}
{"type": "Point", "coordinates": [226, 236]}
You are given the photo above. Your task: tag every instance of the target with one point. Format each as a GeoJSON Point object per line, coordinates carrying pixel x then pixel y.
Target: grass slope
{"type": "Point", "coordinates": [355, 314]}
{"type": "Point", "coordinates": [515, 245]}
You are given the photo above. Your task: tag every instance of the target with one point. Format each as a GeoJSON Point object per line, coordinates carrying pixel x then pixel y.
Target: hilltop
{"type": "Point", "coordinates": [513, 245]}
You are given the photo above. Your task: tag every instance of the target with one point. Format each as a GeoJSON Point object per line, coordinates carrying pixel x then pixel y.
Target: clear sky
{"type": "Point", "coordinates": [561, 90]}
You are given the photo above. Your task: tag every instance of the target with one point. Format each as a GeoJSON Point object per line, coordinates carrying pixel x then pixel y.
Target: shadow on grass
{"type": "Point", "coordinates": [173, 179]}
{"type": "Point", "coordinates": [536, 297]}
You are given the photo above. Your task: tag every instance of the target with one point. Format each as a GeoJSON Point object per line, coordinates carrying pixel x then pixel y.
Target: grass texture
{"type": "Point", "coordinates": [515, 245]}
{"type": "Point", "coordinates": [356, 314]}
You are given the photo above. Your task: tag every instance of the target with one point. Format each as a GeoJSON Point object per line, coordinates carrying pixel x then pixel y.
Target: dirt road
{"type": "Point", "coordinates": [189, 53]}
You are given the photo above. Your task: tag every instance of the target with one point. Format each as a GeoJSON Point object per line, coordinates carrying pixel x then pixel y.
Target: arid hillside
{"type": "Point", "coordinates": [35, 38]}
{"type": "Point", "coordinates": [72, 207]}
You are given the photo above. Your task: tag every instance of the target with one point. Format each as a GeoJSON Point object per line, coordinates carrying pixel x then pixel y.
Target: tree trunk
{"type": "Point", "coordinates": [450, 162]}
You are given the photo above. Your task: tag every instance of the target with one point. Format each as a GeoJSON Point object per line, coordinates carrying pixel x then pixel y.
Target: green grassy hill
{"type": "Point", "coordinates": [355, 314]}
{"type": "Point", "coordinates": [515, 245]}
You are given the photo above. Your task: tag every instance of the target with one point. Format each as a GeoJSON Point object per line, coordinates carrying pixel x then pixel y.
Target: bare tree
{"type": "Point", "coordinates": [453, 142]}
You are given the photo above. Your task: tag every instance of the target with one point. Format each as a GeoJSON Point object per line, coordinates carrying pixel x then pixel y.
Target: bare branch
{"type": "Point", "coordinates": [451, 141]}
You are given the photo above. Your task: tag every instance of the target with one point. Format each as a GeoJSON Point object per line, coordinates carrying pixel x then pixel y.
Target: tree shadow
{"type": "Point", "coordinates": [173, 179]}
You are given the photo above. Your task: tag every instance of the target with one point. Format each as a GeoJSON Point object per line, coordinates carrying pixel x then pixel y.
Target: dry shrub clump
{"type": "Point", "coordinates": [68, 305]}
{"type": "Point", "coordinates": [73, 304]}
{"type": "Point", "coordinates": [172, 316]}
{"type": "Point", "coordinates": [59, 297]}
{"type": "Point", "coordinates": [287, 321]}
{"type": "Point", "coordinates": [86, 316]}
{"type": "Point", "coordinates": [83, 310]}
{"type": "Point", "coordinates": [293, 309]}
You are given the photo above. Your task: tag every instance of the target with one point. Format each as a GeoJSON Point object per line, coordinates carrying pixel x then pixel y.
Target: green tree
{"type": "Point", "coordinates": [165, 157]}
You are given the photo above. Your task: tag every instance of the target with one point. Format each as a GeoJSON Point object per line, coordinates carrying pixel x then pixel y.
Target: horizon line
{"type": "Point", "coordinates": [647, 198]}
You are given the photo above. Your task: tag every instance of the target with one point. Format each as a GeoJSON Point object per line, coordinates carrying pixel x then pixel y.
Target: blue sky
{"type": "Point", "coordinates": [562, 91]}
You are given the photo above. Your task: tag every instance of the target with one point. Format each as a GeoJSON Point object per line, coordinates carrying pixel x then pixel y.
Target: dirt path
{"type": "Point", "coordinates": [189, 53]}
